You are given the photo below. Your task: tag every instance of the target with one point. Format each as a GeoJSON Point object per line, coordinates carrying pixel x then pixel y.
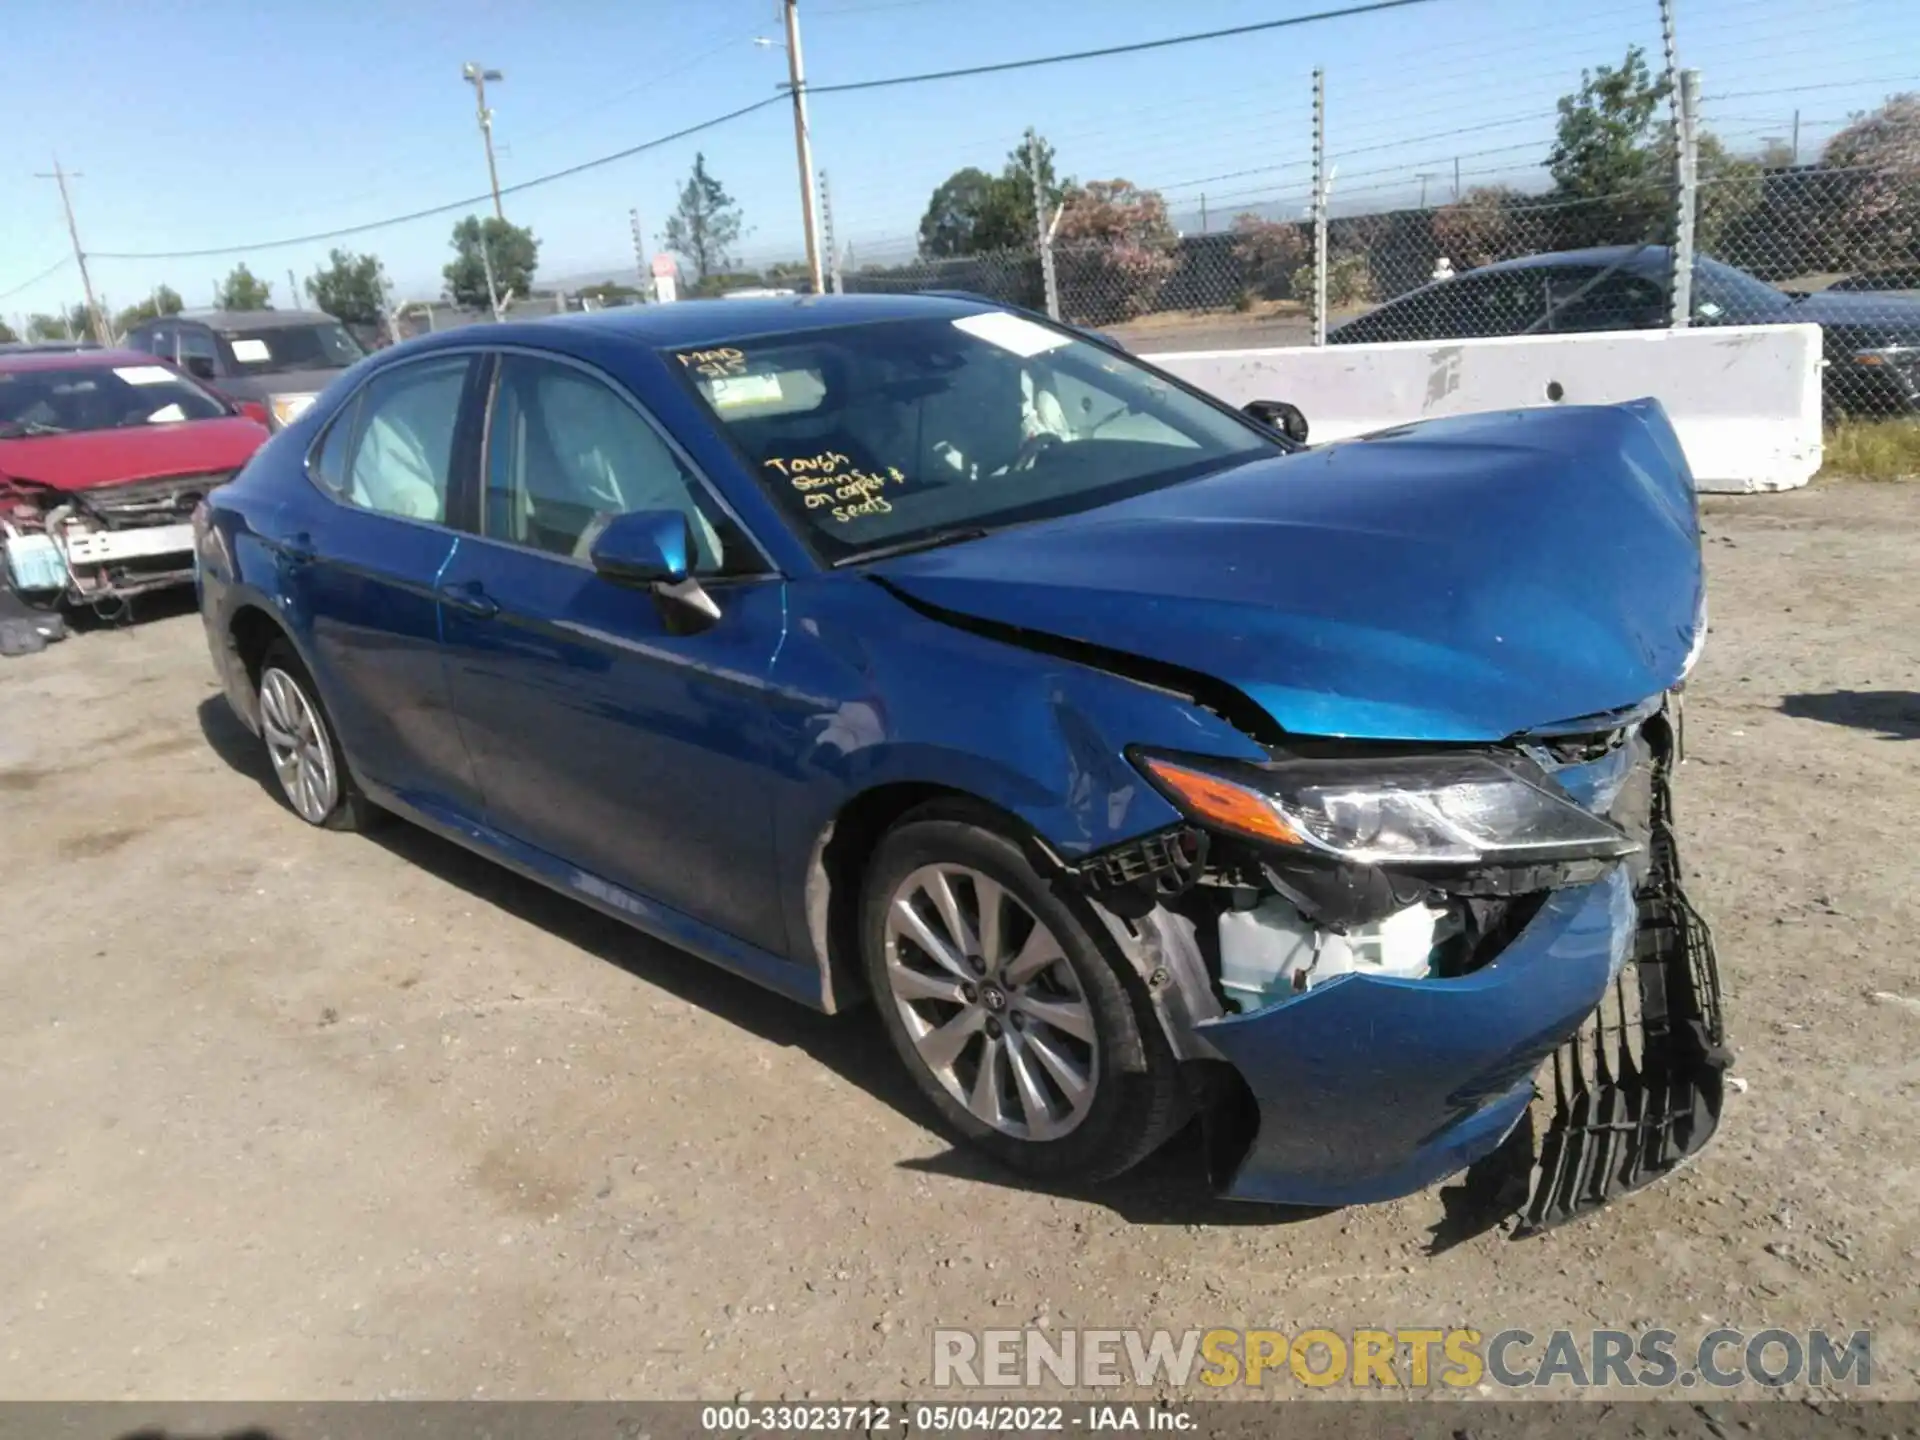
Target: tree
{"type": "Point", "coordinates": [1876, 182]}
{"type": "Point", "coordinates": [971, 212]}
{"type": "Point", "coordinates": [352, 288]}
{"type": "Point", "coordinates": [1606, 160]}
{"type": "Point", "coordinates": [510, 249]}
{"type": "Point", "coordinates": [705, 225]}
{"type": "Point", "coordinates": [1268, 251]}
{"type": "Point", "coordinates": [164, 301]}
{"type": "Point", "coordinates": [7, 335]}
{"type": "Point", "coordinates": [1115, 250]}
{"type": "Point", "coordinates": [243, 290]}
{"type": "Point", "coordinates": [45, 327]}
{"type": "Point", "coordinates": [1479, 228]}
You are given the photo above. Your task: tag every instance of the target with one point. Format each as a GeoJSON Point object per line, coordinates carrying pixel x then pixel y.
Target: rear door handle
{"type": "Point", "coordinates": [471, 600]}
{"type": "Point", "coordinates": [298, 549]}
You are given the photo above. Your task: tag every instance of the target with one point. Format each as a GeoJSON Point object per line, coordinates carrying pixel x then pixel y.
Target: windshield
{"type": "Point", "coordinates": [293, 347]}
{"type": "Point", "coordinates": [871, 436]}
{"type": "Point", "coordinates": [1721, 292]}
{"type": "Point", "coordinates": [58, 402]}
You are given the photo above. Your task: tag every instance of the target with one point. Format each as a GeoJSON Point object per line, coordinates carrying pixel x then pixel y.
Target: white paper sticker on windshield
{"type": "Point", "coordinates": [735, 391]}
{"type": "Point", "coordinates": [1010, 332]}
{"type": "Point", "coordinates": [145, 374]}
{"type": "Point", "coordinates": [251, 352]}
{"type": "Point", "coordinates": [167, 415]}
{"type": "Point", "coordinates": [1710, 310]}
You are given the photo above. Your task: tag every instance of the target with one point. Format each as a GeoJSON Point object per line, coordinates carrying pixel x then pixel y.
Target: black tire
{"type": "Point", "coordinates": [350, 810]}
{"type": "Point", "coordinates": [1139, 1099]}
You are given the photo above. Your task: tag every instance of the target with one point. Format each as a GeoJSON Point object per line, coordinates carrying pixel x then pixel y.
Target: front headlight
{"type": "Point", "coordinates": [1423, 810]}
{"type": "Point", "coordinates": [289, 408]}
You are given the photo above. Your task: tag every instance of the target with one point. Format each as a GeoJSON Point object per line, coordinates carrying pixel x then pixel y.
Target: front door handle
{"type": "Point", "coordinates": [298, 549]}
{"type": "Point", "coordinates": [470, 599]}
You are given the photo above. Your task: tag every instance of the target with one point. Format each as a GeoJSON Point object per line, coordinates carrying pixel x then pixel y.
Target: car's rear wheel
{"type": "Point", "coordinates": [301, 747]}
{"type": "Point", "coordinates": [1029, 1040]}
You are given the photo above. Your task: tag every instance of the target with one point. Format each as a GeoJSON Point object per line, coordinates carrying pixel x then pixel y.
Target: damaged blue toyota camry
{"type": "Point", "coordinates": [1136, 762]}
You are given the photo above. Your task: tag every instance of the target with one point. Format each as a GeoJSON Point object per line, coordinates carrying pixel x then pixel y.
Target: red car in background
{"type": "Point", "coordinates": [103, 456]}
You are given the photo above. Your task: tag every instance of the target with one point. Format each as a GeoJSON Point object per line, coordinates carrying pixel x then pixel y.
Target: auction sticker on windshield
{"type": "Point", "coordinates": [251, 352]}
{"type": "Point", "coordinates": [145, 374]}
{"type": "Point", "coordinates": [1010, 332]}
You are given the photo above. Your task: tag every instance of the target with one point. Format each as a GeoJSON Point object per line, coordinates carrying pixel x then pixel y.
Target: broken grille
{"type": "Point", "coordinates": [150, 502]}
{"type": "Point", "coordinates": [1638, 1089]}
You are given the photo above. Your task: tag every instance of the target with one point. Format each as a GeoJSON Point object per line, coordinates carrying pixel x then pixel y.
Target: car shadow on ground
{"type": "Point", "coordinates": [1169, 1188]}
{"type": "Point", "coordinates": [1894, 713]}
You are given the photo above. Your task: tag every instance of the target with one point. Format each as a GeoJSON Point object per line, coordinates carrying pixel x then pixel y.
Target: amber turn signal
{"type": "Point", "coordinates": [1209, 798]}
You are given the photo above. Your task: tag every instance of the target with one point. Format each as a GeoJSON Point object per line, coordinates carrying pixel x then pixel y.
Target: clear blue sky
{"type": "Point", "coordinates": [228, 122]}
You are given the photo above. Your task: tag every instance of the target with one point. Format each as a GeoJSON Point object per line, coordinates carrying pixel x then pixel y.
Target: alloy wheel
{"type": "Point", "coordinates": [298, 746]}
{"type": "Point", "coordinates": [991, 1002]}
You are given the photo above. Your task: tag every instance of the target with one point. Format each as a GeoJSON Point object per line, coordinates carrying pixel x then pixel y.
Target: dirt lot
{"type": "Point", "coordinates": [289, 1114]}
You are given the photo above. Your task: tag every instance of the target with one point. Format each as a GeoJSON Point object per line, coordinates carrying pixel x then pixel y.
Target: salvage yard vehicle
{"type": "Point", "coordinates": [279, 360]}
{"type": "Point", "coordinates": [1136, 761]}
{"type": "Point", "coordinates": [1871, 339]}
{"type": "Point", "coordinates": [103, 456]}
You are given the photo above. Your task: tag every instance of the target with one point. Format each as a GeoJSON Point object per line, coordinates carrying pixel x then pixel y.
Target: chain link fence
{"type": "Point", "coordinates": [1834, 243]}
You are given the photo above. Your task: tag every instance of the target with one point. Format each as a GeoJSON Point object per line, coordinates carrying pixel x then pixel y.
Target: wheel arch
{"type": "Point", "coordinates": [843, 849]}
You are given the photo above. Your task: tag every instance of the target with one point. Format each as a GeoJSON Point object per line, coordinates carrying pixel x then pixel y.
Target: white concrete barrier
{"type": "Point", "coordinates": [1745, 400]}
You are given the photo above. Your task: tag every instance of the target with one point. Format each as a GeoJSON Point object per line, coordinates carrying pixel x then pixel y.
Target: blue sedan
{"type": "Point", "coordinates": [1136, 762]}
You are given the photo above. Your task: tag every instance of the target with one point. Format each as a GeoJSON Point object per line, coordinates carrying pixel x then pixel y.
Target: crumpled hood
{"type": "Point", "coordinates": [89, 458]}
{"type": "Point", "coordinates": [1461, 579]}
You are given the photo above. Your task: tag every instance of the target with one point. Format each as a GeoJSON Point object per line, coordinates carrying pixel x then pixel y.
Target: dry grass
{"type": "Point", "coordinates": [1873, 450]}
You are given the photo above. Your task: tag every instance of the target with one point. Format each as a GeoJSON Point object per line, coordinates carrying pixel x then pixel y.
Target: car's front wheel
{"type": "Point", "coordinates": [301, 748]}
{"type": "Point", "coordinates": [1028, 1039]}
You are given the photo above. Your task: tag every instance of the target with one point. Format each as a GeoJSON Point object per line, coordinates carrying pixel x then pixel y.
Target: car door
{"type": "Point", "coordinates": [361, 558]}
{"type": "Point", "coordinates": [604, 734]}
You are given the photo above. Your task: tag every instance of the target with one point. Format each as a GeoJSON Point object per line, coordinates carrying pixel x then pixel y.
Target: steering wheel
{"type": "Point", "coordinates": [1033, 447]}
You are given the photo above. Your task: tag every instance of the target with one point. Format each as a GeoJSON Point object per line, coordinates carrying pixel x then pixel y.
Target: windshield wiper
{"type": "Point", "coordinates": [931, 541]}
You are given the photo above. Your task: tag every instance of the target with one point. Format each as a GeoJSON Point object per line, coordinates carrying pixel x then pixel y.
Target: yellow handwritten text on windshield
{"type": "Point", "coordinates": [830, 481]}
{"type": "Point", "coordinates": [714, 364]}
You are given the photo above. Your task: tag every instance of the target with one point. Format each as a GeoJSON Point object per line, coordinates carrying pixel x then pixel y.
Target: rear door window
{"type": "Point", "coordinates": [396, 441]}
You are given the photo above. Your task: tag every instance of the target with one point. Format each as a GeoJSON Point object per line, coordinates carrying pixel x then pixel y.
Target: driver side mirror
{"type": "Point", "coordinates": [1278, 415]}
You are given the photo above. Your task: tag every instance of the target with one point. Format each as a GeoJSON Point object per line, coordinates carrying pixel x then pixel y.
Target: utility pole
{"type": "Point", "coordinates": [1796, 139]}
{"type": "Point", "coordinates": [1319, 207]}
{"type": "Point", "coordinates": [1424, 176]}
{"type": "Point", "coordinates": [803, 140]}
{"type": "Point", "coordinates": [293, 290]}
{"type": "Point", "coordinates": [1203, 212]}
{"type": "Point", "coordinates": [94, 316]}
{"type": "Point", "coordinates": [1456, 177]}
{"type": "Point", "coordinates": [478, 75]}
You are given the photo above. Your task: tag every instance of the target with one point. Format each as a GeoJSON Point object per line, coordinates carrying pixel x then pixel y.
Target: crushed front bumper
{"type": "Point", "coordinates": [1366, 1088]}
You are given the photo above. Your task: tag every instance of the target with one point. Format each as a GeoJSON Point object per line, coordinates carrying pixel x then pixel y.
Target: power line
{"type": "Point", "coordinates": [1132, 49]}
{"type": "Point", "coordinates": [448, 208]}
{"type": "Point", "coordinates": [55, 268]}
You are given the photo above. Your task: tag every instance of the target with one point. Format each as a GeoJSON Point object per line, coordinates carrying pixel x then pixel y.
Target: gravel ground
{"type": "Point", "coordinates": [289, 1114]}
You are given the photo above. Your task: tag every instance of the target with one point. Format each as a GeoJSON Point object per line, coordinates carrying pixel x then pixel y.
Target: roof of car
{"type": "Point", "coordinates": [707, 322]}
{"type": "Point", "coordinates": [70, 359]}
{"type": "Point", "coordinates": [249, 319]}
{"type": "Point", "coordinates": [1635, 256]}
